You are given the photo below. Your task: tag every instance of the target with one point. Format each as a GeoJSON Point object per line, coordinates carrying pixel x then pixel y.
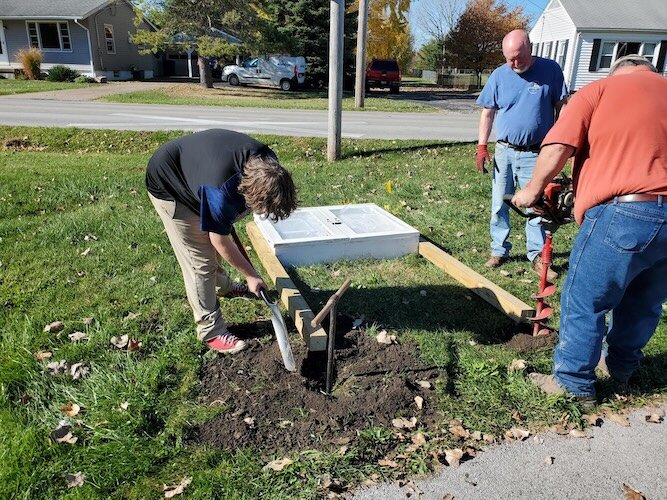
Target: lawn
{"type": "Point", "coordinates": [81, 244]}
{"type": "Point", "coordinates": [26, 86]}
{"type": "Point", "coordinates": [256, 97]}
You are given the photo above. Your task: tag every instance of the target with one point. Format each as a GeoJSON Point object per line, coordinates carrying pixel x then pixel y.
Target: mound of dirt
{"type": "Point", "coordinates": [21, 145]}
{"type": "Point", "coordinates": [276, 411]}
{"type": "Point", "coordinates": [524, 342]}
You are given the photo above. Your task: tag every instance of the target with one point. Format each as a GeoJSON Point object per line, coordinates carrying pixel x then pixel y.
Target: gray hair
{"type": "Point", "coordinates": [631, 60]}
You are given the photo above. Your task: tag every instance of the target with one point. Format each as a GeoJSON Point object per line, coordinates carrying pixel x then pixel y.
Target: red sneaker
{"type": "Point", "coordinates": [226, 344]}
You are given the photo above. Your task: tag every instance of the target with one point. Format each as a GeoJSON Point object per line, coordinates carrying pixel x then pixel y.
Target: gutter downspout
{"type": "Point", "coordinates": [575, 61]}
{"type": "Point", "coordinates": [90, 47]}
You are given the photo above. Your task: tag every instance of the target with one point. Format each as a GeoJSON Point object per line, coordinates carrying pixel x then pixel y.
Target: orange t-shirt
{"type": "Point", "coordinates": [618, 126]}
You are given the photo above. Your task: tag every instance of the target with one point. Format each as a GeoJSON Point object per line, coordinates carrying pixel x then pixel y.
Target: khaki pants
{"type": "Point", "coordinates": [203, 276]}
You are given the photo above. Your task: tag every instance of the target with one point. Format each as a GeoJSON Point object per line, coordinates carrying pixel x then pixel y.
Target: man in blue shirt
{"type": "Point", "coordinates": [526, 95]}
{"type": "Point", "coordinates": [200, 184]}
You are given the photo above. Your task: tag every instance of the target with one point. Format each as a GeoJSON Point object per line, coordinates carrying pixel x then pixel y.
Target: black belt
{"type": "Point", "coordinates": [533, 148]}
{"type": "Point", "coordinates": [628, 198]}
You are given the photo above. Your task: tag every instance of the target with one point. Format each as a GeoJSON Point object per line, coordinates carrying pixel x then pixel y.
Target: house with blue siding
{"type": "Point", "coordinates": [586, 36]}
{"type": "Point", "coordinates": [90, 36]}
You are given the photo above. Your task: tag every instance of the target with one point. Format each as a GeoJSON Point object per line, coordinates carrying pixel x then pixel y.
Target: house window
{"type": "Point", "coordinates": [49, 36]}
{"type": "Point", "coordinates": [108, 36]}
{"type": "Point", "coordinates": [561, 53]}
{"type": "Point", "coordinates": [606, 55]}
{"type": "Point", "coordinates": [547, 50]}
{"type": "Point", "coordinates": [536, 49]}
{"type": "Point", "coordinates": [648, 50]}
{"type": "Point", "coordinates": [625, 48]}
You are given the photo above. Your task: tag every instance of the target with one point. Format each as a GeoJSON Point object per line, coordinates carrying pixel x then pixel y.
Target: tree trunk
{"type": "Point", "coordinates": [205, 77]}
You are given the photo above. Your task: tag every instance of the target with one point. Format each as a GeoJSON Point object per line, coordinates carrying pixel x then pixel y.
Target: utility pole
{"type": "Point", "coordinates": [362, 34]}
{"type": "Point", "coordinates": [336, 34]}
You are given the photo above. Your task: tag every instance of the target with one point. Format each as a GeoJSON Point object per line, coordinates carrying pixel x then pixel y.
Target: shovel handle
{"type": "Point", "coordinates": [333, 300]}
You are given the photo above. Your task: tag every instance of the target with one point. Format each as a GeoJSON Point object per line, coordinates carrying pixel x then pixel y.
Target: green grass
{"type": "Point", "coordinates": [81, 189]}
{"type": "Point", "coordinates": [26, 86]}
{"type": "Point", "coordinates": [256, 97]}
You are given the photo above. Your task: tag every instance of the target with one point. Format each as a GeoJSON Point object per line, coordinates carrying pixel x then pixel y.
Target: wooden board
{"type": "Point", "coordinates": [501, 299]}
{"type": "Point", "coordinates": [296, 305]}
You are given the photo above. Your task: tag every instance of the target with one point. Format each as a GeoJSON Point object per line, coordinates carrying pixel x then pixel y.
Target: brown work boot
{"type": "Point", "coordinates": [495, 261]}
{"type": "Point", "coordinates": [537, 267]}
{"type": "Point", "coordinates": [548, 385]}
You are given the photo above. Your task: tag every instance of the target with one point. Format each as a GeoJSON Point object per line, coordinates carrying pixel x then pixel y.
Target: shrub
{"type": "Point", "coordinates": [31, 60]}
{"type": "Point", "coordinates": [84, 79]}
{"type": "Point", "coordinates": [61, 73]}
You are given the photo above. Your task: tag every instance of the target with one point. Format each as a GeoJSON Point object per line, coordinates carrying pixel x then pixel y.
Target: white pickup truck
{"type": "Point", "coordinates": [276, 71]}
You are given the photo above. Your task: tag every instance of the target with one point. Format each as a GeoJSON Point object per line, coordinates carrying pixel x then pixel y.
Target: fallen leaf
{"type": "Point", "coordinates": [419, 401]}
{"type": "Point", "coordinates": [424, 384]}
{"type": "Point", "coordinates": [517, 433]}
{"type": "Point", "coordinates": [388, 186]}
{"type": "Point", "coordinates": [78, 370]}
{"type": "Point", "coordinates": [77, 336]}
{"type": "Point", "coordinates": [630, 493]}
{"type": "Point", "coordinates": [63, 433]}
{"type": "Point", "coordinates": [42, 355]}
{"type": "Point", "coordinates": [538, 440]}
{"type": "Point", "coordinates": [172, 491]}
{"type": "Point", "coordinates": [130, 315]}
{"type": "Point", "coordinates": [54, 327]}
{"type": "Point", "coordinates": [57, 367]}
{"type": "Point", "coordinates": [517, 365]}
{"type": "Point", "coordinates": [71, 409]}
{"type": "Point", "coordinates": [448, 496]}
{"type": "Point", "coordinates": [453, 457]}
{"type": "Point", "coordinates": [411, 489]}
{"type": "Point", "coordinates": [278, 465]}
{"type": "Point", "coordinates": [489, 438]}
{"type": "Point", "coordinates": [577, 433]}
{"type": "Point", "coordinates": [593, 420]}
{"type": "Point", "coordinates": [387, 463]}
{"type": "Point", "coordinates": [549, 460]}
{"type": "Point", "coordinates": [249, 421]}
{"type": "Point", "coordinates": [85, 252]}
{"type": "Point", "coordinates": [120, 342]}
{"type": "Point", "coordinates": [619, 419]}
{"type": "Point", "coordinates": [477, 435]}
{"type": "Point", "coordinates": [124, 405]}
{"type": "Point", "coordinates": [384, 338]}
{"type": "Point", "coordinates": [88, 321]}
{"type": "Point", "coordinates": [507, 274]}
{"type": "Point", "coordinates": [134, 345]}
{"type": "Point", "coordinates": [655, 415]}
{"type": "Point", "coordinates": [90, 237]}
{"type": "Point", "coordinates": [516, 415]}
{"type": "Point", "coordinates": [419, 439]}
{"type": "Point", "coordinates": [457, 430]}
{"type": "Point", "coordinates": [343, 450]}
{"type": "Point", "coordinates": [75, 480]}
{"type": "Point", "coordinates": [460, 235]}
{"type": "Point", "coordinates": [341, 440]}
{"type": "Point", "coordinates": [404, 423]}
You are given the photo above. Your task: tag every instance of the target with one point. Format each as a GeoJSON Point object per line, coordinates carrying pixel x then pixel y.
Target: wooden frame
{"type": "Point", "coordinates": [316, 338]}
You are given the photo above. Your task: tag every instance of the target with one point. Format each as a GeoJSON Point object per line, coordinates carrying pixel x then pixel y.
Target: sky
{"type": "Point", "coordinates": [532, 7]}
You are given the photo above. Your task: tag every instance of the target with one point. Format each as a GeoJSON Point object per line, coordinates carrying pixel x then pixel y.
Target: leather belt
{"type": "Point", "coordinates": [627, 198]}
{"type": "Point", "coordinates": [533, 148]}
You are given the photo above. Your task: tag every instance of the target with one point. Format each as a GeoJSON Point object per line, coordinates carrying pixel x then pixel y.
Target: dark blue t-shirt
{"type": "Point", "coordinates": [202, 171]}
{"type": "Point", "coordinates": [524, 102]}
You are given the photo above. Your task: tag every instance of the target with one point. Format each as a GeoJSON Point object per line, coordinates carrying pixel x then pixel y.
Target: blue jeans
{"type": "Point", "coordinates": [510, 168]}
{"type": "Point", "coordinates": [618, 264]}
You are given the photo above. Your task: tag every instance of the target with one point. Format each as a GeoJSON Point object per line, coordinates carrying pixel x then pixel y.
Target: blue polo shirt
{"type": "Point", "coordinates": [524, 102]}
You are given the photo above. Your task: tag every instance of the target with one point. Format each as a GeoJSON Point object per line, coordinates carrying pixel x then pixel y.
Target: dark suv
{"type": "Point", "coordinates": [383, 73]}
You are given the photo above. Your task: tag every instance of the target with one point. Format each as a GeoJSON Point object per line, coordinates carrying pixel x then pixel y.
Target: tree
{"type": "Point", "coordinates": [476, 40]}
{"type": "Point", "coordinates": [436, 18]}
{"type": "Point", "coordinates": [301, 27]}
{"type": "Point", "coordinates": [389, 34]}
{"type": "Point", "coordinates": [191, 24]}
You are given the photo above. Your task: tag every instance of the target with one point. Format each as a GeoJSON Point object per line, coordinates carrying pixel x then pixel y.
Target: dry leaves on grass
{"type": "Point", "coordinates": [172, 491]}
{"type": "Point", "coordinates": [57, 367]}
{"type": "Point", "coordinates": [88, 321]}
{"type": "Point", "coordinates": [593, 420]}
{"type": "Point", "coordinates": [410, 488]}
{"type": "Point", "coordinates": [79, 370]}
{"type": "Point", "coordinates": [384, 338]}
{"type": "Point", "coordinates": [630, 493]}
{"type": "Point", "coordinates": [404, 423]}
{"type": "Point", "coordinates": [120, 342]}
{"type": "Point", "coordinates": [424, 384]}
{"type": "Point", "coordinates": [41, 355]}
{"type": "Point", "coordinates": [77, 336]}
{"type": "Point", "coordinates": [86, 252]}
{"type": "Point", "coordinates": [71, 409]}
{"type": "Point", "coordinates": [277, 465]}
{"type": "Point", "coordinates": [130, 316]}
{"type": "Point", "coordinates": [456, 429]}
{"type": "Point", "coordinates": [517, 433]}
{"type": "Point", "coordinates": [619, 419]}
{"type": "Point", "coordinates": [63, 433]}
{"type": "Point", "coordinates": [453, 457]}
{"type": "Point", "coordinates": [385, 462]}
{"type": "Point", "coordinates": [134, 345]}
{"type": "Point", "coordinates": [419, 401]}
{"type": "Point", "coordinates": [517, 365]}
{"type": "Point", "coordinates": [655, 415]}
{"type": "Point", "coordinates": [75, 480]}
{"type": "Point", "coordinates": [54, 327]}
{"type": "Point", "coordinates": [577, 433]}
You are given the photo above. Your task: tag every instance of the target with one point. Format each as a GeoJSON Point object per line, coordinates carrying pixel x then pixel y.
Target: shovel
{"type": "Point", "coordinates": [281, 332]}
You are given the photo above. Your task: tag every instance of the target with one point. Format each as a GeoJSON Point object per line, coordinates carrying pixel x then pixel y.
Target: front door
{"type": "Point", "coordinates": [4, 56]}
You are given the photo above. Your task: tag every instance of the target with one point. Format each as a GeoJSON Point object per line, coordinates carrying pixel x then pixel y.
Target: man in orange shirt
{"type": "Point", "coordinates": [616, 128]}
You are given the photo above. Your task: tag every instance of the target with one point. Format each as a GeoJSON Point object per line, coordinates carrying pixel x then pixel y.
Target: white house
{"type": "Point", "coordinates": [586, 36]}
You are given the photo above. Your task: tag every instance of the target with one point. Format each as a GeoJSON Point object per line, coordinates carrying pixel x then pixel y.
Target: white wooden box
{"type": "Point", "coordinates": [341, 232]}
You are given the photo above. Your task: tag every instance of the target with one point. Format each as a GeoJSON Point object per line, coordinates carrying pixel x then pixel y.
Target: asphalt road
{"type": "Point", "coordinates": [454, 126]}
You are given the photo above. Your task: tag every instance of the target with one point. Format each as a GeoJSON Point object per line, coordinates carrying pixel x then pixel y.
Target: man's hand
{"type": "Point", "coordinates": [482, 156]}
{"type": "Point", "coordinates": [255, 284]}
{"type": "Point", "coordinates": [526, 197]}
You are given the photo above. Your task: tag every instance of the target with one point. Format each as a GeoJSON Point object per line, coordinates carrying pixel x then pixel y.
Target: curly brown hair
{"type": "Point", "coordinates": [268, 188]}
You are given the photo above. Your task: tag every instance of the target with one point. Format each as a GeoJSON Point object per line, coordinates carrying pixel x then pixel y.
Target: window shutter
{"type": "Point", "coordinates": [661, 56]}
{"type": "Point", "coordinates": [593, 66]}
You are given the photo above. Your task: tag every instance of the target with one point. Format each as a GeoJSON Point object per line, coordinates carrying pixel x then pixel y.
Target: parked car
{"type": "Point", "coordinates": [383, 73]}
{"type": "Point", "coordinates": [276, 71]}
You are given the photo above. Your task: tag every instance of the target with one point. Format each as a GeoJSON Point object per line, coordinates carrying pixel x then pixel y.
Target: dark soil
{"type": "Point", "coordinates": [524, 342]}
{"type": "Point", "coordinates": [277, 411]}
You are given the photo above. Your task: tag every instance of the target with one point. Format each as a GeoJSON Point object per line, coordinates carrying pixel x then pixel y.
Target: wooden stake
{"type": "Point", "coordinates": [499, 298]}
{"type": "Point", "coordinates": [314, 337]}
